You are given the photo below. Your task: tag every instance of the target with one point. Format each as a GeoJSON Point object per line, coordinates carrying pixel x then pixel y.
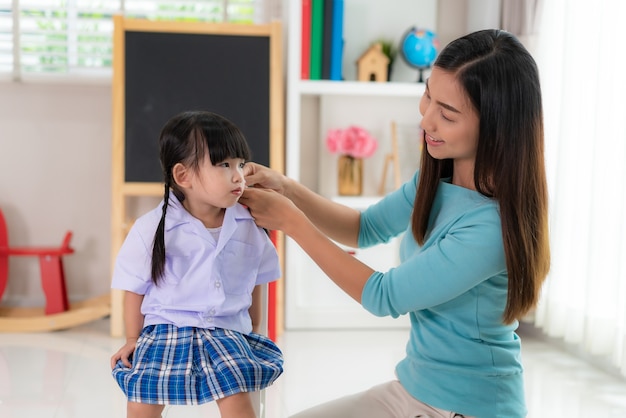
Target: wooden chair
{"type": "Point", "coordinates": [57, 313]}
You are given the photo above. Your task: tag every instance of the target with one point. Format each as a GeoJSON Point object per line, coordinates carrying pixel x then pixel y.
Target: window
{"type": "Point", "coordinates": [6, 38]}
{"type": "Point", "coordinates": [74, 38]}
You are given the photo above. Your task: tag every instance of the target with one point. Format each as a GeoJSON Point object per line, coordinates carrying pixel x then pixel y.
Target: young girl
{"type": "Point", "coordinates": [190, 270]}
{"type": "Point", "coordinates": [475, 250]}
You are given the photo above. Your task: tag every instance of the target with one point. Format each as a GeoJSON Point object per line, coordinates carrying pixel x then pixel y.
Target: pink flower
{"type": "Point", "coordinates": [353, 141]}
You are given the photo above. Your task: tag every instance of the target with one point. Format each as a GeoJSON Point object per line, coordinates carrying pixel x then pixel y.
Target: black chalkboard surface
{"type": "Point", "coordinates": [167, 73]}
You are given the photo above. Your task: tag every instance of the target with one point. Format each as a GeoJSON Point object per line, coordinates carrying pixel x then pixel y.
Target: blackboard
{"type": "Point", "coordinates": [163, 68]}
{"type": "Point", "coordinates": [167, 73]}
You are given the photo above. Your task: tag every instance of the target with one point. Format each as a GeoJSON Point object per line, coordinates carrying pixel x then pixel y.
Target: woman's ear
{"type": "Point", "coordinates": [181, 175]}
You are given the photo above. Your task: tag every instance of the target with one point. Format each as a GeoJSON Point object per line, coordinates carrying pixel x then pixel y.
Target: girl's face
{"type": "Point", "coordinates": [216, 186]}
{"type": "Point", "coordinates": [450, 122]}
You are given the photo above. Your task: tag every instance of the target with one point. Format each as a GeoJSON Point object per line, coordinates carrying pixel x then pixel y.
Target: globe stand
{"type": "Point", "coordinates": [418, 48]}
{"type": "Point", "coordinates": [420, 74]}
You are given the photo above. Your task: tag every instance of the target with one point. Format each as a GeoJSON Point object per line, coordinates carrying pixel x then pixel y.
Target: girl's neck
{"type": "Point", "coordinates": [213, 221]}
{"type": "Point", "coordinates": [210, 216]}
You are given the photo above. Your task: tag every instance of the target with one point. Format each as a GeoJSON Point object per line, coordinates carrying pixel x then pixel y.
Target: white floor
{"type": "Point", "coordinates": [66, 374]}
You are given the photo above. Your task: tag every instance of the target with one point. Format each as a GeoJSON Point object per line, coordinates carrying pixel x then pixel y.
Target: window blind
{"type": "Point", "coordinates": [6, 39]}
{"type": "Point", "coordinates": [63, 39]}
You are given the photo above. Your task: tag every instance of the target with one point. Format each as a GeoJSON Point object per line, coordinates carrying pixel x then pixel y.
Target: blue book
{"type": "Point", "coordinates": [336, 45]}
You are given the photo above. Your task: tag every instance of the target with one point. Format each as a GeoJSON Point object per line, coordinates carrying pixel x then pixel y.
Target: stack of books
{"type": "Point", "coordinates": [322, 39]}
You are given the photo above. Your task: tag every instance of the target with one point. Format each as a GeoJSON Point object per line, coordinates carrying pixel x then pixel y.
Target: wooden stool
{"type": "Point", "coordinates": [50, 263]}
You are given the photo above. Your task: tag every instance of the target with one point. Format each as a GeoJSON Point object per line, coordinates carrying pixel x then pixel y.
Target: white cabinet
{"type": "Point", "coordinates": [313, 107]}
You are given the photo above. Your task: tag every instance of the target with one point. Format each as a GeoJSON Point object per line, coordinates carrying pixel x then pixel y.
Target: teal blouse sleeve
{"type": "Point", "coordinates": [389, 217]}
{"type": "Point", "coordinates": [463, 250]}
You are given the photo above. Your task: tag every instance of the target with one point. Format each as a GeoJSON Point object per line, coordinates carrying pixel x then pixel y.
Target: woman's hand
{"type": "Point", "coordinates": [339, 222]}
{"type": "Point", "coordinates": [258, 175]}
{"type": "Point", "coordinates": [125, 353]}
{"type": "Point", "coordinates": [271, 210]}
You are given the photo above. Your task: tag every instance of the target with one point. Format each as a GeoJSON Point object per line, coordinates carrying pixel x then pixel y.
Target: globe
{"type": "Point", "coordinates": [419, 49]}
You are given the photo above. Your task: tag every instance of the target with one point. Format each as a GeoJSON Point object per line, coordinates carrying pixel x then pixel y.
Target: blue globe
{"type": "Point", "coordinates": [419, 48]}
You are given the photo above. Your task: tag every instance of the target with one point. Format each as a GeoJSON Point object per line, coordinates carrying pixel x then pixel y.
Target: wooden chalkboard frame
{"type": "Point", "coordinates": [123, 190]}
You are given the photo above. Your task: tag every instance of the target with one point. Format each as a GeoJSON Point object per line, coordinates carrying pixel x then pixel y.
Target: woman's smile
{"type": "Point", "coordinates": [432, 141]}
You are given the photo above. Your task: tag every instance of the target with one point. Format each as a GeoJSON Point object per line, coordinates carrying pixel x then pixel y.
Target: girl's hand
{"type": "Point", "coordinates": [257, 175]}
{"type": "Point", "coordinates": [272, 210]}
{"type": "Point", "coordinates": [124, 353]}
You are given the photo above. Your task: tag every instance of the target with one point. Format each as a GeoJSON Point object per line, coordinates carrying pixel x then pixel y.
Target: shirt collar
{"type": "Point", "coordinates": [177, 214]}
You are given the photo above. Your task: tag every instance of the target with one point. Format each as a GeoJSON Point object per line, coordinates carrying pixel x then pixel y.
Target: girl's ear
{"type": "Point", "coordinates": [181, 175]}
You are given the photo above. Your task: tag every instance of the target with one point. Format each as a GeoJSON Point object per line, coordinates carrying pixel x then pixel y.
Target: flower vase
{"type": "Point", "coordinates": [350, 176]}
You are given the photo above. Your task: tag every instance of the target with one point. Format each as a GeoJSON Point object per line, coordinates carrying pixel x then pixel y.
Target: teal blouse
{"type": "Point", "coordinates": [460, 356]}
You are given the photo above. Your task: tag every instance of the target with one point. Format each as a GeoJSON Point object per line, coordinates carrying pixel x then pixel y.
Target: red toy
{"type": "Point", "coordinates": [58, 313]}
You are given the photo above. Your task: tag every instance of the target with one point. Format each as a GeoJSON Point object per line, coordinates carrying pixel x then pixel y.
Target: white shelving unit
{"type": "Point", "coordinates": [313, 107]}
{"type": "Point", "coordinates": [358, 88]}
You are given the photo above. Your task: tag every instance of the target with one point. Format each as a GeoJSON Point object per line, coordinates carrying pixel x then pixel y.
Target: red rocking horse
{"type": "Point", "coordinates": [57, 312]}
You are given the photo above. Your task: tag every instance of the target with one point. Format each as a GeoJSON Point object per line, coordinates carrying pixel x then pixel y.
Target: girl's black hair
{"type": "Point", "coordinates": [188, 138]}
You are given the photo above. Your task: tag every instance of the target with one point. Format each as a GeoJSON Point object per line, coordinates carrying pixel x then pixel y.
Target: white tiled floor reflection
{"type": "Point", "coordinates": [66, 374]}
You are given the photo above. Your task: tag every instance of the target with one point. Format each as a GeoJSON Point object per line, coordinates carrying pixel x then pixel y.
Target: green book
{"type": "Point", "coordinates": [317, 38]}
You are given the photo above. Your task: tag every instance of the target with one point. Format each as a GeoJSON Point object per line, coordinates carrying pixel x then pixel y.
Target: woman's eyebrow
{"type": "Point", "coordinates": [442, 104]}
{"type": "Point", "coordinates": [447, 106]}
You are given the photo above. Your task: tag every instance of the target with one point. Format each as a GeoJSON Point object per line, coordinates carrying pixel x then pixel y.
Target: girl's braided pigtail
{"type": "Point", "coordinates": [158, 247]}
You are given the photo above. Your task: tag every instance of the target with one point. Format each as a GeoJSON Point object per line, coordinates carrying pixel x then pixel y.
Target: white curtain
{"type": "Point", "coordinates": [582, 61]}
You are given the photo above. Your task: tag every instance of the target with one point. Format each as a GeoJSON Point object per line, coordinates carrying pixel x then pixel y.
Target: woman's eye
{"type": "Point", "coordinates": [445, 117]}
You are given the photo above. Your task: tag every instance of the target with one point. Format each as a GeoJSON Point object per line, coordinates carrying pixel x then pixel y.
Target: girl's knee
{"type": "Point", "coordinates": [143, 410]}
{"type": "Point", "coordinates": [238, 405]}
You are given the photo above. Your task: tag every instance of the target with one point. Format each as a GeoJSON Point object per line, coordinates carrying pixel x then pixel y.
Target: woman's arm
{"type": "Point", "coordinates": [273, 211]}
{"type": "Point", "coordinates": [337, 221]}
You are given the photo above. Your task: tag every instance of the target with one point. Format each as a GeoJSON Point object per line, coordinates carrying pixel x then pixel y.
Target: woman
{"type": "Point", "coordinates": [476, 249]}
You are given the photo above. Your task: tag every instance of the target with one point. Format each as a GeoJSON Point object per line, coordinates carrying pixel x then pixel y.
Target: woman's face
{"type": "Point", "coordinates": [449, 120]}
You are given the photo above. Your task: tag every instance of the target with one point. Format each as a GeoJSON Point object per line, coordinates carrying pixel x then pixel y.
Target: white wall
{"type": "Point", "coordinates": [456, 18]}
{"type": "Point", "coordinates": [55, 175]}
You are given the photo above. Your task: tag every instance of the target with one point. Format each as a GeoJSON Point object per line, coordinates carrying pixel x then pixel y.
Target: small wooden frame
{"type": "Point", "coordinates": [392, 159]}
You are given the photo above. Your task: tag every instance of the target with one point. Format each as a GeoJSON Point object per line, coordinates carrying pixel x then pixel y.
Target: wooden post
{"type": "Point", "coordinates": [393, 159]}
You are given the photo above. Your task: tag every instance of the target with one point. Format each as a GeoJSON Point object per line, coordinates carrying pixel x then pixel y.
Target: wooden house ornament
{"type": "Point", "coordinates": [373, 64]}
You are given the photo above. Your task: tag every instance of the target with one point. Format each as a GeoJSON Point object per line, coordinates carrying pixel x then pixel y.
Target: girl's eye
{"type": "Point", "coordinates": [445, 117]}
{"type": "Point", "coordinates": [242, 165]}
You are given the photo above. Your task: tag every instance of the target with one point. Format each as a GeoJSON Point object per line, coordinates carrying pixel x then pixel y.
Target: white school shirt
{"type": "Point", "coordinates": [207, 283]}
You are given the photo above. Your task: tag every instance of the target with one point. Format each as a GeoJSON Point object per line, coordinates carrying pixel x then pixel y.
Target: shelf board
{"type": "Point", "coordinates": [360, 88]}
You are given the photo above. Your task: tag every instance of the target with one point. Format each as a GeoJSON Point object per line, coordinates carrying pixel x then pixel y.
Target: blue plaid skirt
{"type": "Point", "coordinates": [191, 366]}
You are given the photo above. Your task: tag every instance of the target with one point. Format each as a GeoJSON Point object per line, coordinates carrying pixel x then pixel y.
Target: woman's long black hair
{"type": "Point", "coordinates": [501, 80]}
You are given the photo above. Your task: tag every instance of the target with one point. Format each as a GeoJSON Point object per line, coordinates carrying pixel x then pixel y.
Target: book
{"type": "Point", "coordinates": [336, 45]}
{"type": "Point", "coordinates": [327, 35]}
{"type": "Point", "coordinates": [305, 39]}
{"type": "Point", "coordinates": [317, 33]}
